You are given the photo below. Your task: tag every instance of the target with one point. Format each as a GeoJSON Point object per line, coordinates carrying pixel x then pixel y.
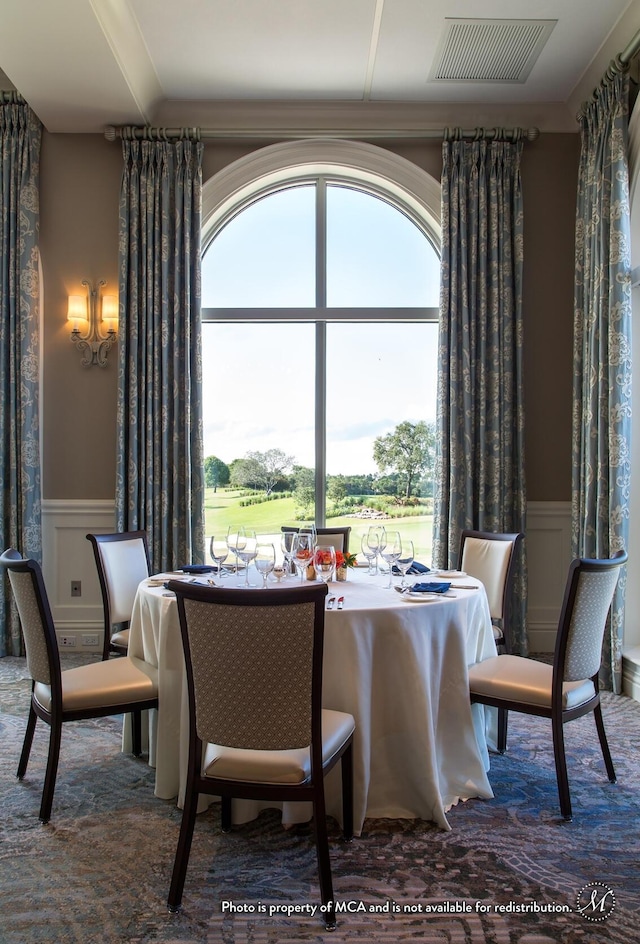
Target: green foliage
{"type": "Point", "coordinates": [408, 451]}
{"type": "Point", "coordinates": [216, 472]}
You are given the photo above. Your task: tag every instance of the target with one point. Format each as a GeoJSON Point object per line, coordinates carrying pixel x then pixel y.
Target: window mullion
{"type": "Point", "coordinates": [321, 353]}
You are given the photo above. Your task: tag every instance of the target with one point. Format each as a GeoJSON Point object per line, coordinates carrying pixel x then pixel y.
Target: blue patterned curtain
{"type": "Point", "coordinates": [20, 135]}
{"type": "Point", "coordinates": [159, 474]}
{"type": "Point", "coordinates": [480, 481]}
{"type": "Point", "coordinates": [602, 347]}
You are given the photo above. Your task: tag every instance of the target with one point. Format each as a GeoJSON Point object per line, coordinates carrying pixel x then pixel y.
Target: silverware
{"type": "Point", "coordinates": [340, 602]}
{"type": "Point", "coordinates": [330, 603]}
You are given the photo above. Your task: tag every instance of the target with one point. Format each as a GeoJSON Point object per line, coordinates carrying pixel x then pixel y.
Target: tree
{"type": "Point", "coordinates": [261, 470]}
{"type": "Point", "coordinates": [305, 490]}
{"type": "Point", "coordinates": [216, 472]}
{"type": "Point", "coordinates": [409, 450]}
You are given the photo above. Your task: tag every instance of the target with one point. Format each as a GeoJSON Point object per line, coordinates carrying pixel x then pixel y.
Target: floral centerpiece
{"type": "Point", "coordinates": [343, 560]}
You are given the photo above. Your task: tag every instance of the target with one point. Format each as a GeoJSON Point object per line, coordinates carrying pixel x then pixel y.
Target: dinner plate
{"type": "Point", "coordinates": [421, 597]}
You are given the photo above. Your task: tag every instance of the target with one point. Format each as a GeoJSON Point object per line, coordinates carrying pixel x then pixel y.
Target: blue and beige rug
{"type": "Point", "coordinates": [509, 871]}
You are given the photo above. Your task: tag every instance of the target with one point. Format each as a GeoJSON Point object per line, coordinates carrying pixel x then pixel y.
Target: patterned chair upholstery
{"type": "Point", "coordinates": [257, 726]}
{"type": "Point", "coordinates": [569, 688]}
{"type": "Point", "coordinates": [90, 691]}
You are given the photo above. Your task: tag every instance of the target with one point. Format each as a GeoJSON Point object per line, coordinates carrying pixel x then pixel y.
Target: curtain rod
{"type": "Point", "coordinates": [131, 133]}
{"type": "Point", "coordinates": [616, 66]}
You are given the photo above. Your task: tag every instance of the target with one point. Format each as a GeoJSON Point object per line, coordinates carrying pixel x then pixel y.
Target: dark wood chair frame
{"type": "Point", "coordinates": [345, 532]}
{"type": "Point", "coordinates": [57, 717]}
{"type": "Point", "coordinates": [311, 790]}
{"type": "Point", "coordinates": [97, 539]}
{"type": "Point", "coordinates": [556, 713]}
{"type": "Point", "coordinates": [504, 625]}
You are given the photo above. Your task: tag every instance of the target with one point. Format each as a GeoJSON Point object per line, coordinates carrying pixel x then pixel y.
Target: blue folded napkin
{"type": "Point", "coordinates": [416, 568]}
{"type": "Point", "coordinates": [432, 587]}
{"type": "Point", "coordinates": [197, 569]}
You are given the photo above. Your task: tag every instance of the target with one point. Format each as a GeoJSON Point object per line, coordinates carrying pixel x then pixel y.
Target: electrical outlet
{"type": "Point", "coordinates": [90, 639]}
{"type": "Point", "coordinates": [76, 588]}
{"type": "Point", "coordinates": [67, 641]}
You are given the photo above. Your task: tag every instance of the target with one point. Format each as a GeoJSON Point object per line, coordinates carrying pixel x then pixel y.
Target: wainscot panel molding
{"type": "Point", "coordinates": [67, 557]}
{"type": "Point", "coordinates": [548, 543]}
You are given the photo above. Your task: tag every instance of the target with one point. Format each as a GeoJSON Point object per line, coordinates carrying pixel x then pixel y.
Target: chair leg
{"type": "Point", "coordinates": [26, 744]}
{"type": "Point", "coordinates": [324, 862]}
{"type": "Point", "coordinates": [55, 738]}
{"type": "Point", "coordinates": [225, 814]}
{"type": "Point", "coordinates": [346, 765]}
{"type": "Point", "coordinates": [136, 733]}
{"type": "Point", "coordinates": [183, 850]}
{"type": "Point", "coordinates": [503, 721]}
{"type": "Point", "coordinates": [597, 714]}
{"type": "Point", "coordinates": [561, 767]}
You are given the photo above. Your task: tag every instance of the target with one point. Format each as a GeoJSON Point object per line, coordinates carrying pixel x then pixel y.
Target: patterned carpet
{"type": "Point", "coordinates": [509, 872]}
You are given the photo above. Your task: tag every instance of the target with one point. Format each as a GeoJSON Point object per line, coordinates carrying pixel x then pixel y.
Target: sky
{"type": "Point", "coordinates": [258, 389]}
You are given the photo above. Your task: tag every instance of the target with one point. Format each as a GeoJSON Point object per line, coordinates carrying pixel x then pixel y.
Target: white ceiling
{"type": "Point", "coordinates": [85, 64]}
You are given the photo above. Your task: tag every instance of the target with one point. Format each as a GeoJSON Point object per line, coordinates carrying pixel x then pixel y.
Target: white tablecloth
{"type": "Point", "coordinates": [400, 668]}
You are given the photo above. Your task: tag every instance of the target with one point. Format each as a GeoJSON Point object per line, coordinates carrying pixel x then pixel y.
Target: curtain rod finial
{"type": "Point", "coordinates": [110, 133]}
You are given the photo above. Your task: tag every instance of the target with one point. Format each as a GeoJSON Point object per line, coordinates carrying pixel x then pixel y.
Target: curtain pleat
{"type": "Point", "coordinates": [20, 138]}
{"type": "Point", "coordinates": [480, 478]}
{"type": "Point", "coordinates": [602, 348]}
{"type": "Point", "coordinates": [159, 463]}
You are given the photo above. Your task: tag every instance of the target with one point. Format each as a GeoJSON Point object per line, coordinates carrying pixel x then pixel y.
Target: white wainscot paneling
{"type": "Point", "coordinates": [548, 541]}
{"type": "Point", "coordinates": [67, 556]}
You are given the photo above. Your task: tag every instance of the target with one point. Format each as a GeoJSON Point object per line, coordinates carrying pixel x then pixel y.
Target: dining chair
{"type": "Point", "coordinates": [257, 726]}
{"type": "Point", "coordinates": [122, 560]}
{"type": "Point", "coordinates": [96, 690]}
{"type": "Point", "coordinates": [567, 689]}
{"type": "Point", "coordinates": [491, 557]}
{"type": "Point", "coordinates": [336, 537]}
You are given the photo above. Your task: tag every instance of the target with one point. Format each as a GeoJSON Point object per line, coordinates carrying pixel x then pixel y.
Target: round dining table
{"type": "Point", "coordinates": [397, 662]}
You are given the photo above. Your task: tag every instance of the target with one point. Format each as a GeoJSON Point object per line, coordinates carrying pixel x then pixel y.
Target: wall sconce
{"type": "Point", "coordinates": [96, 309]}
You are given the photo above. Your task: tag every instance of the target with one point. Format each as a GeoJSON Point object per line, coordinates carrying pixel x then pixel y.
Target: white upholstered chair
{"type": "Point", "coordinates": [568, 688]}
{"type": "Point", "coordinates": [122, 560]}
{"type": "Point", "coordinates": [257, 726]}
{"type": "Point", "coordinates": [91, 691]}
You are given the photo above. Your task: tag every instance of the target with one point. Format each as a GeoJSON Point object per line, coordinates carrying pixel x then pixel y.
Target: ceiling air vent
{"type": "Point", "coordinates": [472, 50]}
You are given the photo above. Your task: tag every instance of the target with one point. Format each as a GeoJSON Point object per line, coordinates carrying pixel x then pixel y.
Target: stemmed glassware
{"type": "Point", "coordinates": [374, 536]}
{"type": "Point", "coordinates": [405, 560]}
{"type": "Point", "coordinates": [265, 561]}
{"type": "Point", "coordinates": [324, 562]}
{"type": "Point", "coordinates": [219, 551]}
{"type": "Point", "coordinates": [390, 550]}
{"type": "Point", "coordinates": [286, 543]}
{"type": "Point", "coordinates": [303, 547]}
{"type": "Point", "coordinates": [369, 553]}
{"type": "Point", "coordinates": [235, 538]}
{"type": "Point", "coordinates": [246, 550]}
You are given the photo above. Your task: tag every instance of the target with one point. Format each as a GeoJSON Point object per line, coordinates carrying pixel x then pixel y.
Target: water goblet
{"type": "Point", "coordinates": [246, 550]}
{"type": "Point", "coordinates": [303, 547]}
{"type": "Point", "coordinates": [374, 536]}
{"type": "Point", "coordinates": [390, 550]}
{"type": "Point", "coordinates": [405, 560]}
{"type": "Point", "coordinates": [324, 562]}
{"type": "Point", "coordinates": [265, 561]}
{"type": "Point", "coordinates": [235, 537]}
{"type": "Point", "coordinates": [286, 543]}
{"type": "Point", "coordinates": [369, 553]}
{"type": "Point", "coordinates": [219, 551]}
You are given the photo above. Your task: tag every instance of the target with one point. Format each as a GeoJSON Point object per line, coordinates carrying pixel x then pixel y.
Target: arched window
{"type": "Point", "coordinates": [320, 304]}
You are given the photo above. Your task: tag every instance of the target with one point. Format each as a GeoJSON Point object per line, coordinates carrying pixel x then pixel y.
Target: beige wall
{"type": "Point", "coordinates": [80, 181]}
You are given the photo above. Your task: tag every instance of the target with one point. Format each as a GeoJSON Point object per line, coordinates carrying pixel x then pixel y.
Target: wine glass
{"type": "Point", "coordinates": [303, 547]}
{"type": "Point", "coordinates": [324, 562]}
{"type": "Point", "coordinates": [405, 560]}
{"type": "Point", "coordinates": [265, 561]}
{"type": "Point", "coordinates": [286, 543]}
{"type": "Point", "coordinates": [390, 550]}
{"type": "Point", "coordinates": [374, 536]}
{"type": "Point", "coordinates": [219, 551]}
{"type": "Point", "coordinates": [235, 537]}
{"type": "Point", "coordinates": [246, 549]}
{"type": "Point", "coordinates": [369, 553]}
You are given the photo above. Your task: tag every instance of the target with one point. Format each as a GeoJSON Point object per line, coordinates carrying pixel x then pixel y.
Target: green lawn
{"type": "Point", "coordinates": [222, 508]}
